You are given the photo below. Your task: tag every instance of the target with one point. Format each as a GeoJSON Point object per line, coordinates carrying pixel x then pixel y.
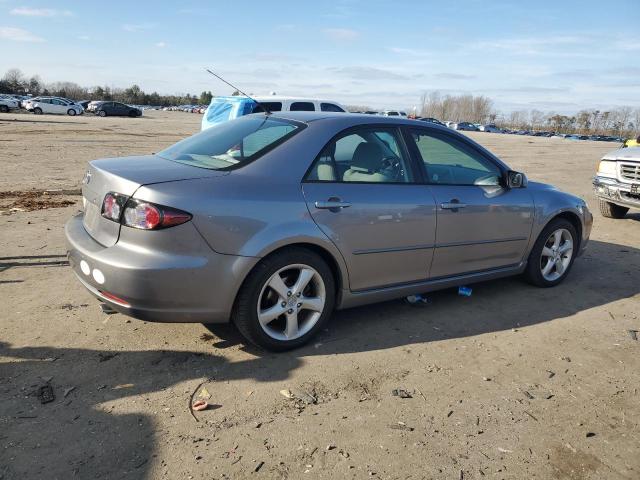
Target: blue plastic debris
{"type": "Point", "coordinates": [465, 291]}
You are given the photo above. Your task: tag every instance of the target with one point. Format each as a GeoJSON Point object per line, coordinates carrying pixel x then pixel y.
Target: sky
{"type": "Point", "coordinates": [548, 55]}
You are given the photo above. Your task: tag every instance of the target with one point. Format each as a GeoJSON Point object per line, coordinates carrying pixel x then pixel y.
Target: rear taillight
{"type": "Point", "coordinates": [112, 206]}
{"type": "Point", "coordinates": [143, 215]}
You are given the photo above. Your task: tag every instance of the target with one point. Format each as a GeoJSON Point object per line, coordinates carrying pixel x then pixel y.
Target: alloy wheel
{"type": "Point", "coordinates": [291, 302]}
{"type": "Point", "coordinates": [556, 254]}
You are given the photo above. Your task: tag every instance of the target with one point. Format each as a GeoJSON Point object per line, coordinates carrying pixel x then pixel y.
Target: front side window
{"type": "Point", "coordinates": [302, 107]}
{"type": "Point", "coordinates": [365, 155]}
{"type": "Point", "coordinates": [448, 161]}
{"type": "Point", "coordinates": [330, 107]}
{"type": "Point", "coordinates": [232, 144]}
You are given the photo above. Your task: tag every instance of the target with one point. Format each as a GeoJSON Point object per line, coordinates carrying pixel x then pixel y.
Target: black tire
{"type": "Point", "coordinates": [611, 210]}
{"type": "Point", "coordinates": [533, 273]}
{"type": "Point", "coordinates": [102, 113]}
{"type": "Point", "coordinates": [71, 112]}
{"type": "Point", "coordinates": [4, 109]}
{"type": "Point", "coordinates": [245, 315]}
{"type": "Point", "coordinates": [37, 111]}
{"type": "Point", "coordinates": [133, 113]}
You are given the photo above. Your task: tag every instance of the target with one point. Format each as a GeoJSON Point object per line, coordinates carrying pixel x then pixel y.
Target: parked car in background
{"type": "Point", "coordinates": [7, 102]}
{"type": "Point", "coordinates": [617, 182]}
{"type": "Point", "coordinates": [223, 109]}
{"type": "Point", "coordinates": [431, 120]}
{"type": "Point", "coordinates": [224, 226]}
{"type": "Point", "coordinates": [466, 126]}
{"type": "Point", "coordinates": [116, 109]}
{"type": "Point", "coordinates": [93, 105]}
{"type": "Point", "coordinates": [393, 113]}
{"type": "Point", "coordinates": [53, 105]}
{"type": "Point", "coordinates": [491, 128]}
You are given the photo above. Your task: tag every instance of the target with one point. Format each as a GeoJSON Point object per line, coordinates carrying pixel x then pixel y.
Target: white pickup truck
{"type": "Point", "coordinates": [617, 183]}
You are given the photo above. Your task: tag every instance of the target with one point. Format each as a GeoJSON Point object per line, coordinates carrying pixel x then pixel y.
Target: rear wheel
{"type": "Point", "coordinates": [71, 112]}
{"type": "Point", "coordinates": [552, 255]}
{"type": "Point", "coordinates": [102, 113]}
{"type": "Point", "coordinates": [37, 111]}
{"type": "Point", "coordinates": [285, 300]}
{"type": "Point", "coordinates": [611, 210]}
{"type": "Point", "coordinates": [4, 108]}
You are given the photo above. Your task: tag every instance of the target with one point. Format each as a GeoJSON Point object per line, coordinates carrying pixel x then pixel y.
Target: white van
{"type": "Point", "coordinates": [222, 109]}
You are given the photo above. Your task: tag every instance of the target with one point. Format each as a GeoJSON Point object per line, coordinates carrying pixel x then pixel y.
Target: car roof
{"type": "Point", "coordinates": [351, 119]}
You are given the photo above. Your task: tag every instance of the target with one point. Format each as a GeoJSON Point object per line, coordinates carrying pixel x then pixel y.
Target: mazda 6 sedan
{"type": "Point", "coordinates": [272, 221]}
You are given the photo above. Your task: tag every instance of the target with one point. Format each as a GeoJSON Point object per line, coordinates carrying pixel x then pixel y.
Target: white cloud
{"type": "Point", "coordinates": [133, 27]}
{"type": "Point", "coordinates": [409, 52]}
{"type": "Point", "coordinates": [84, 37]}
{"type": "Point", "coordinates": [161, 44]}
{"type": "Point", "coordinates": [18, 35]}
{"type": "Point", "coordinates": [40, 12]}
{"type": "Point", "coordinates": [340, 34]}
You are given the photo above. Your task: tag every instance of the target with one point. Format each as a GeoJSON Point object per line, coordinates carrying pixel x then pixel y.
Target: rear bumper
{"type": "Point", "coordinates": [613, 191]}
{"type": "Point", "coordinates": [150, 283]}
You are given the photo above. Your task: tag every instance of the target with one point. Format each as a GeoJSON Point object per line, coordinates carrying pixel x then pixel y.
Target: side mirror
{"type": "Point", "coordinates": [516, 179]}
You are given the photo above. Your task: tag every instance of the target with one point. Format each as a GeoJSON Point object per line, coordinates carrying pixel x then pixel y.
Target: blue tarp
{"type": "Point", "coordinates": [222, 109]}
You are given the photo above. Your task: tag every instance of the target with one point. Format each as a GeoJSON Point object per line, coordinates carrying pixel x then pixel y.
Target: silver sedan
{"type": "Point", "coordinates": [272, 221]}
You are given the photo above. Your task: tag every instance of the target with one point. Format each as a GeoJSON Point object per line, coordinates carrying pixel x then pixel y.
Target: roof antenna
{"type": "Point", "coordinates": [266, 110]}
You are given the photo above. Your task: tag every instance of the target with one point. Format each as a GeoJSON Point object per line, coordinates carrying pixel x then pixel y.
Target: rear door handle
{"type": "Point", "coordinates": [333, 204]}
{"type": "Point", "coordinates": [452, 205]}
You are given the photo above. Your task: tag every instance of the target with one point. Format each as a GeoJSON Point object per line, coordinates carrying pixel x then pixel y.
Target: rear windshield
{"type": "Point", "coordinates": [232, 144]}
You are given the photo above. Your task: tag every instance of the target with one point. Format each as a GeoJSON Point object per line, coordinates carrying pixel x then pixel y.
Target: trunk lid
{"type": "Point", "coordinates": [125, 175]}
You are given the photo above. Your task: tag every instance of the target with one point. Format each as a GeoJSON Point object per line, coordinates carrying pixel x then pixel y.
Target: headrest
{"type": "Point", "coordinates": [368, 156]}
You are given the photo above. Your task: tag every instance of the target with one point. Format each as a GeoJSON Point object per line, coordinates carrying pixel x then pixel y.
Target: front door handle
{"type": "Point", "coordinates": [334, 204]}
{"type": "Point", "coordinates": [454, 205]}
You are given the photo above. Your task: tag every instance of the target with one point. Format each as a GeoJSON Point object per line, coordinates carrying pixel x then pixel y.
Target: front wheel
{"type": "Point", "coordinates": [285, 300]}
{"type": "Point", "coordinates": [102, 113]}
{"type": "Point", "coordinates": [71, 112]}
{"type": "Point", "coordinates": [552, 255]}
{"type": "Point", "coordinates": [37, 111]}
{"type": "Point", "coordinates": [4, 109]}
{"type": "Point", "coordinates": [611, 210]}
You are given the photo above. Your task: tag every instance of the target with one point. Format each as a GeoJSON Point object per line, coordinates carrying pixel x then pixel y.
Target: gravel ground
{"type": "Point", "coordinates": [513, 382]}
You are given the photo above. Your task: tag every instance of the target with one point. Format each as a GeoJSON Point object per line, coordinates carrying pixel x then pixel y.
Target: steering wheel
{"type": "Point", "coordinates": [392, 165]}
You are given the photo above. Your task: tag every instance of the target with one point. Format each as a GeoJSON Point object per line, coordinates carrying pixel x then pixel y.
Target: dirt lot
{"type": "Point", "coordinates": [513, 382]}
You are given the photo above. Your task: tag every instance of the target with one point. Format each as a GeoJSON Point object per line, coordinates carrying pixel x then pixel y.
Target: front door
{"type": "Point", "coordinates": [481, 224]}
{"type": "Point", "coordinates": [363, 194]}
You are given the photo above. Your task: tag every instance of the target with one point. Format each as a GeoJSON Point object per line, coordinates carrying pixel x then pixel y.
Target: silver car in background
{"type": "Point", "coordinates": [273, 221]}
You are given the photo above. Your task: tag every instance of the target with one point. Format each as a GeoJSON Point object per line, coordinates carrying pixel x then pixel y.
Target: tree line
{"type": "Point", "coordinates": [15, 82]}
{"type": "Point", "coordinates": [621, 121]}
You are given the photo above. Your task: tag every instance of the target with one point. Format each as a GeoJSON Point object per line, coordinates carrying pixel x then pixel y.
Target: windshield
{"type": "Point", "coordinates": [232, 144]}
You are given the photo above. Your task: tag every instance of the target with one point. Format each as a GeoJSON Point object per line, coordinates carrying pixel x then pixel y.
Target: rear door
{"type": "Point", "coordinates": [481, 224]}
{"type": "Point", "coordinates": [46, 105]}
{"type": "Point", "coordinates": [363, 194]}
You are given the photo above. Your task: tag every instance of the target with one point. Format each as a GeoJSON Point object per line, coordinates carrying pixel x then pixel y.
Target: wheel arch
{"type": "Point", "coordinates": [336, 265]}
{"type": "Point", "coordinates": [571, 217]}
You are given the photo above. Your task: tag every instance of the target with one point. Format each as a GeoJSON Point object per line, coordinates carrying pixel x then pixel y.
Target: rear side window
{"type": "Point", "coordinates": [363, 155]}
{"type": "Point", "coordinates": [302, 107]}
{"type": "Point", "coordinates": [330, 107]}
{"type": "Point", "coordinates": [230, 145]}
